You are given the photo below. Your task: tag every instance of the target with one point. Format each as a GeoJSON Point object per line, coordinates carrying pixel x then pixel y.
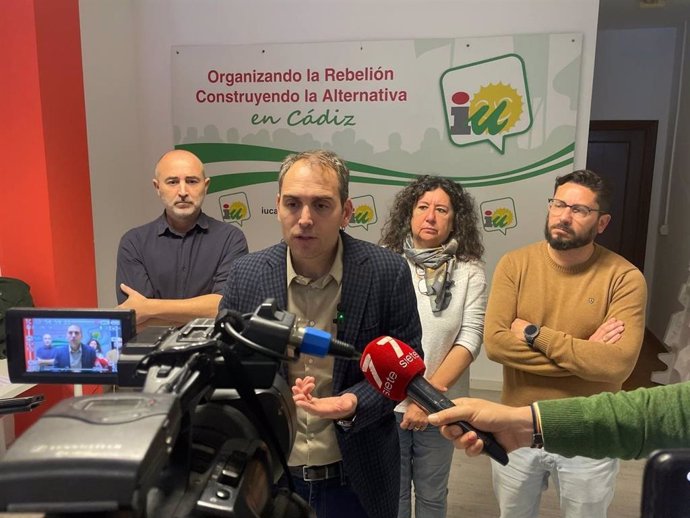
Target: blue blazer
{"type": "Point", "coordinates": [377, 298]}
{"type": "Point", "coordinates": [88, 357]}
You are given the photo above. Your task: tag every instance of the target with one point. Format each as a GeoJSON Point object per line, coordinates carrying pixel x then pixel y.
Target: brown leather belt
{"type": "Point", "coordinates": [316, 473]}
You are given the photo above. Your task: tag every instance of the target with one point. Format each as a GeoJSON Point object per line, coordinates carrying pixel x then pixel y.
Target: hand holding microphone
{"type": "Point", "coordinates": [395, 369]}
{"type": "Point", "coordinates": [512, 426]}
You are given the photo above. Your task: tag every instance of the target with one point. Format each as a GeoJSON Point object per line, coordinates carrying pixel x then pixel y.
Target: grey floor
{"type": "Point", "coordinates": [471, 495]}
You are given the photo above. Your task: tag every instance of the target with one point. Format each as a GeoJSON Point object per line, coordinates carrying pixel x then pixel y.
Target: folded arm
{"type": "Point", "coordinates": [608, 354]}
{"type": "Point", "coordinates": [169, 311]}
{"type": "Point", "coordinates": [595, 358]}
{"type": "Point", "coordinates": [500, 342]}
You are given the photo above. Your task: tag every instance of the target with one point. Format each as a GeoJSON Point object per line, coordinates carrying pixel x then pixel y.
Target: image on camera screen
{"type": "Point", "coordinates": [85, 345]}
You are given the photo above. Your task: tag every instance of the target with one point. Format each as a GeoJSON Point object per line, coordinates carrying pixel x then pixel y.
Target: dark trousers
{"type": "Point", "coordinates": [330, 498]}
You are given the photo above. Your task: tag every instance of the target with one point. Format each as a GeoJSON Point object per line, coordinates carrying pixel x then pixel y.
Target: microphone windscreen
{"type": "Point", "coordinates": [389, 365]}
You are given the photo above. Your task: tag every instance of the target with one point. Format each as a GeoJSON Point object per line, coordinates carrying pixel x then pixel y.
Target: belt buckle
{"type": "Point", "coordinates": [307, 478]}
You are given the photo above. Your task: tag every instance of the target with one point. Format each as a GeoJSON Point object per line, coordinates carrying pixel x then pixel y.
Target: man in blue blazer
{"type": "Point", "coordinates": [346, 460]}
{"type": "Point", "coordinates": [76, 355]}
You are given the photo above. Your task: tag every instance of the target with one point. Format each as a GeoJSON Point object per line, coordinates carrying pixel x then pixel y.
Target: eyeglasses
{"type": "Point", "coordinates": [556, 207]}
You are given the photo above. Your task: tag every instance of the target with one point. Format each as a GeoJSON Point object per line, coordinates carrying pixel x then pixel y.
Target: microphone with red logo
{"type": "Point", "coordinates": [396, 370]}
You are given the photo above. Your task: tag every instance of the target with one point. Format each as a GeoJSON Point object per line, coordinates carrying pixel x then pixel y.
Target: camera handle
{"type": "Point", "coordinates": [20, 404]}
{"type": "Point", "coordinates": [191, 382]}
{"type": "Point", "coordinates": [237, 372]}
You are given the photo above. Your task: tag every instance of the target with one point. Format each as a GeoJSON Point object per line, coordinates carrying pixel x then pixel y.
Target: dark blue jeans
{"type": "Point", "coordinates": [331, 498]}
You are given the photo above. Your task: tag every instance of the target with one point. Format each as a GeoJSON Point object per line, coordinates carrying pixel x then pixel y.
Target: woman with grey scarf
{"type": "Point", "coordinates": [434, 225]}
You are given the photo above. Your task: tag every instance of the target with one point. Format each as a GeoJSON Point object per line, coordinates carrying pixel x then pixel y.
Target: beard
{"type": "Point", "coordinates": [572, 240]}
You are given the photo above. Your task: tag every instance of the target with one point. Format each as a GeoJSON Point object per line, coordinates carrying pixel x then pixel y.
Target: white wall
{"type": "Point", "coordinates": [634, 80]}
{"type": "Point", "coordinates": [673, 250]}
{"type": "Point", "coordinates": [126, 48]}
{"type": "Point", "coordinates": [636, 77]}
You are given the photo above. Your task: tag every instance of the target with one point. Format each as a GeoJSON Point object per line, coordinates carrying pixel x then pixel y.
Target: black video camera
{"type": "Point", "coordinates": [207, 434]}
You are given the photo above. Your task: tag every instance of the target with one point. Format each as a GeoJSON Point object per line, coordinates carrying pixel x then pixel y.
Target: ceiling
{"type": "Point", "coordinates": [636, 14]}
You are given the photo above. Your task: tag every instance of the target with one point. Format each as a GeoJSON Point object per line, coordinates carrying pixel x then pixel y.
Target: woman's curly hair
{"type": "Point", "coordinates": [465, 222]}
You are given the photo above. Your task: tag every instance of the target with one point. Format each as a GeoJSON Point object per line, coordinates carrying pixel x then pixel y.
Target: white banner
{"type": "Point", "coordinates": [496, 114]}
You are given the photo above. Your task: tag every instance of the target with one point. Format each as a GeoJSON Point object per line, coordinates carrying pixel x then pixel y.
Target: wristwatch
{"type": "Point", "coordinates": [531, 333]}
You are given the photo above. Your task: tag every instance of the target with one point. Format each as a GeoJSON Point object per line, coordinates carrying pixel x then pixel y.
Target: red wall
{"type": "Point", "coordinates": [46, 236]}
{"type": "Point", "coordinates": [46, 229]}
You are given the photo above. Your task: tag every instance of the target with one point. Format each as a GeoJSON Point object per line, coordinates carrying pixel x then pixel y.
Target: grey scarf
{"type": "Point", "coordinates": [437, 264]}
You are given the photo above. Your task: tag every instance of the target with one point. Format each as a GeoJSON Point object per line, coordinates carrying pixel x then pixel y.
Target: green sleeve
{"type": "Point", "coordinates": [625, 425]}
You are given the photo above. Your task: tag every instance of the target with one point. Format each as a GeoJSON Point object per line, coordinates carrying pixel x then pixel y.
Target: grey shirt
{"type": "Point", "coordinates": [160, 263]}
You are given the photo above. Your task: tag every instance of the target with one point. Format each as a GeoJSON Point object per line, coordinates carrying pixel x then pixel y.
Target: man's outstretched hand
{"type": "Point", "coordinates": [335, 407]}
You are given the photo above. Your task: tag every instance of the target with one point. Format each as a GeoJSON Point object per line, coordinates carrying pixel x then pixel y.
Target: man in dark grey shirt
{"type": "Point", "coordinates": [174, 268]}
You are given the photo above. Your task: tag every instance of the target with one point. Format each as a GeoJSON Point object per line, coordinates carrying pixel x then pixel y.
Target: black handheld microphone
{"type": "Point", "coordinates": [396, 370]}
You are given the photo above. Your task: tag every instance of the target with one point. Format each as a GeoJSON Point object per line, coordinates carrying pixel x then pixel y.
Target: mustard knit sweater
{"type": "Point", "coordinates": [569, 304]}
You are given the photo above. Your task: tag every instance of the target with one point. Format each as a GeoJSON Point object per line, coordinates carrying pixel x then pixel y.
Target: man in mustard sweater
{"type": "Point", "coordinates": [565, 318]}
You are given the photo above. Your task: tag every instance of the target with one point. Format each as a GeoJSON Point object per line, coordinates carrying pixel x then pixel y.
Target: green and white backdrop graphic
{"type": "Point", "coordinates": [497, 114]}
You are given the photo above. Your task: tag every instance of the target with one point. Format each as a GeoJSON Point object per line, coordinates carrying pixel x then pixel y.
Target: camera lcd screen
{"type": "Point", "coordinates": [66, 345]}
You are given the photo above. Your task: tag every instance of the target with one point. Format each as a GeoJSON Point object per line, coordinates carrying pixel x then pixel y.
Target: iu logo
{"type": "Point", "coordinates": [499, 215]}
{"type": "Point", "coordinates": [364, 213]}
{"type": "Point", "coordinates": [487, 101]}
{"type": "Point", "coordinates": [234, 208]}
